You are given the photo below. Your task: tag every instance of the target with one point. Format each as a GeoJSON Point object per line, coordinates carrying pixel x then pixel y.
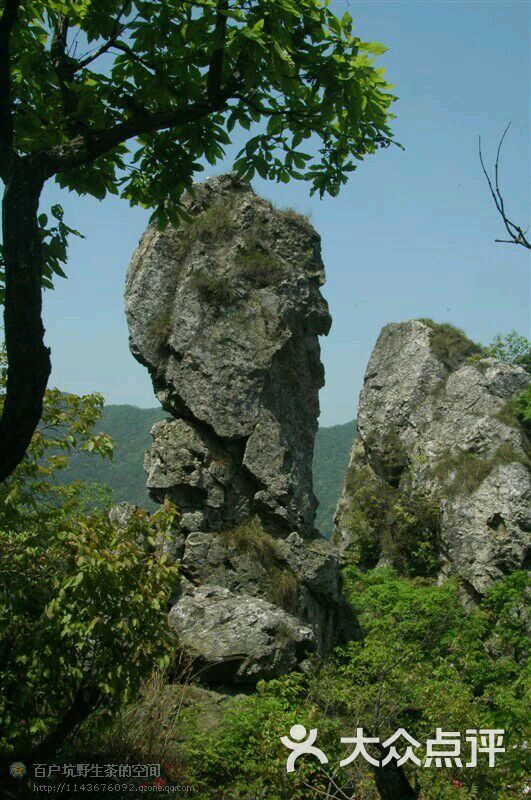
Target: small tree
{"type": "Point", "coordinates": [511, 348]}
{"type": "Point", "coordinates": [125, 96]}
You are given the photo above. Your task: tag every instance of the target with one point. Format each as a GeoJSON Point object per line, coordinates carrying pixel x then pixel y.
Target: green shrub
{"type": "Point", "coordinates": [422, 663]}
{"type": "Point", "coordinates": [388, 456]}
{"type": "Point", "coordinates": [243, 759]}
{"type": "Point", "coordinates": [215, 223]}
{"type": "Point", "coordinates": [519, 409]}
{"type": "Point", "coordinates": [384, 521]}
{"type": "Point", "coordinates": [511, 348]}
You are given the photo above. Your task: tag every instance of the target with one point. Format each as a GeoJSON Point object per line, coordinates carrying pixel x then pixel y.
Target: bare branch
{"type": "Point", "coordinates": [516, 233]}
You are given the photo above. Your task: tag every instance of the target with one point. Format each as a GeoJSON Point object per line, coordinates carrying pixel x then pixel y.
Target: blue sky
{"type": "Point", "coordinates": [411, 235]}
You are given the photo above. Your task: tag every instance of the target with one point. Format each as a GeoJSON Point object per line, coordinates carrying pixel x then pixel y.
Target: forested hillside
{"type": "Point", "coordinates": [129, 428]}
{"type": "Point", "coordinates": [332, 448]}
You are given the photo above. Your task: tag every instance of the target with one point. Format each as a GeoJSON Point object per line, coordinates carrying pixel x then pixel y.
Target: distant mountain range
{"type": "Point", "coordinates": [130, 427]}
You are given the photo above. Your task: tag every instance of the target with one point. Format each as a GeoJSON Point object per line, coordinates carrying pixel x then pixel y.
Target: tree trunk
{"type": "Point", "coordinates": [392, 783]}
{"type": "Point", "coordinates": [84, 702]}
{"type": "Point", "coordinates": [28, 359]}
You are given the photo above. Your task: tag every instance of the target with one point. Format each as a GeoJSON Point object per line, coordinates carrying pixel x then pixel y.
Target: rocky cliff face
{"type": "Point", "coordinates": [225, 312]}
{"type": "Point", "coordinates": [439, 479]}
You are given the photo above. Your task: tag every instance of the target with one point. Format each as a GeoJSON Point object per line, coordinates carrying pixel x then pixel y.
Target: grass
{"type": "Point", "coordinates": [290, 215]}
{"type": "Point", "coordinates": [144, 732]}
{"type": "Point", "coordinates": [450, 344]}
{"type": "Point", "coordinates": [250, 535]}
{"type": "Point", "coordinates": [284, 589]}
{"type": "Point", "coordinates": [283, 585]}
{"type": "Point", "coordinates": [259, 267]}
{"type": "Point", "coordinates": [215, 222]}
{"type": "Point", "coordinates": [463, 472]}
{"type": "Point", "coordinates": [216, 289]}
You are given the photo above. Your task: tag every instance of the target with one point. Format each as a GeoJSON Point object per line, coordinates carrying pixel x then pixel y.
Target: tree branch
{"type": "Point", "coordinates": [116, 32]}
{"type": "Point", "coordinates": [63, 67]}
{"type": "Point", "coordinates": [215, 69]}
{"type": "Point", "coordinates": [89, 146]}
{"type": "Point", "coordinates": [515, 231]}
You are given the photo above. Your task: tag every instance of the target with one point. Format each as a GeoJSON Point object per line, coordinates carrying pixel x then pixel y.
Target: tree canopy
{"type": "Point", "coordinates": [129, 97]}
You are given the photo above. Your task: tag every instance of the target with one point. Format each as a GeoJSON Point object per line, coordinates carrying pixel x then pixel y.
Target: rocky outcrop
{"type": "Point", "coordinates": [225, 311]}
{"type": "Point", "coordinates": [439, 478]}
{"type": "Point", "coordinates": [239, 639]}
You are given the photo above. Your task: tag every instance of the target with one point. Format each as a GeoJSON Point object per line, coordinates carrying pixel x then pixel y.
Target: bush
{"type": "Point", "coordinates": [213, 223]}
{"type": "Point", "coordinates": [519, 407]}
{"type": "Point", "coordinates": [250, 535]}
{"type": "Point", "coordinates": [385, 521]}
{"type": "Point", "coordinates": [215, 288]}
{"type": "Point", "coordinates": [82, 603]}
{"type": "Point", "coordinates": [463, 471]}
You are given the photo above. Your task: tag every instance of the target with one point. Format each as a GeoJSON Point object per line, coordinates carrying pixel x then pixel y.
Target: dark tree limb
{"type": "Point", "coordinates": [28, 359]}
{"type": "Point", "coordinates": [516, 233]}
{"type": "Point", "coordinates": [7, 23]}
{"type": "Point", "coordinates": [117, 30]}
{"type": "Point", "coordinates": [215, 69]}
{"type": "Point", "coordinates": [392, 783]}
{"type": "Point", "coordinates": [84, 702]}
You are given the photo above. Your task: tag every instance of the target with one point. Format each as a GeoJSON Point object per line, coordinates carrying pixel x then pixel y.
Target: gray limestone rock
{"type": "Point", "coordinates": [225, 312]}
{"type": "Point", "coordinates": [122, 513]}
{"type": "Point", "coordinates": [435, 428]}
{"type": "Point", "coordinates": [237, 638]}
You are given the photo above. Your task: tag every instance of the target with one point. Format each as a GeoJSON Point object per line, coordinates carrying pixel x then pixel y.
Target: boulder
{"type": "Point", "coordinates": [238, 639]}
{"type": "Point", "coordinates": [438, 442]}
{"type": "Point", "coordinates": [300, 577]}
